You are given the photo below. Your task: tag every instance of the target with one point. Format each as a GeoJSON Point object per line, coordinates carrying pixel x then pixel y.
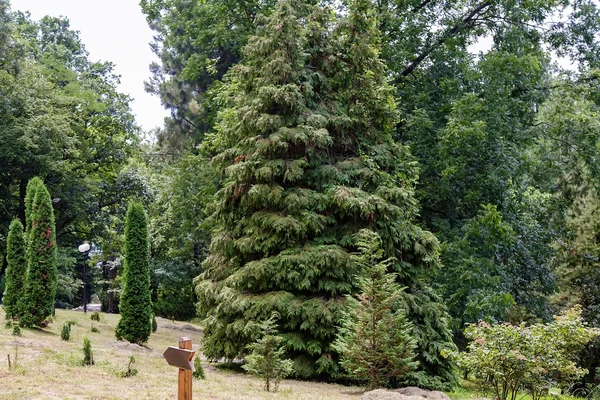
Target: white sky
{"type": "Point", "coordinates": [111, 30]}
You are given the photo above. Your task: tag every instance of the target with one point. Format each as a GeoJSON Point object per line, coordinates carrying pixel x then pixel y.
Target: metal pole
{"type": "Point", "coordinates": [85, 282]}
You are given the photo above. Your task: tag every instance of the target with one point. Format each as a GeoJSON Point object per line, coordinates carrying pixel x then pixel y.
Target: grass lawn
{"type": "Point", "coordinates": [50, 368]}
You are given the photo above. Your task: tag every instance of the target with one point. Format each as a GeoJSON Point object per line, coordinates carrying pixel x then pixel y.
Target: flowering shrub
{"type": "Point", "coordinates": [532, 358]}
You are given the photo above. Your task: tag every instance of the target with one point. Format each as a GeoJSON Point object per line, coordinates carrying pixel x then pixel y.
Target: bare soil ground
{"type": "Point", "coordinates": [50, 368]}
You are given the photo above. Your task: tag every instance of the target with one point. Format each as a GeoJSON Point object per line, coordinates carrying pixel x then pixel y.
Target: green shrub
{"type": "Point", "coordinates": [36, 304]}
{"type": "Point", "coordinates": [198, 369]}
{"type": "Point", "coordinates": [135, 306]}
{"type": "Point", "coordinates": [71, 323]}
{"type": "Point", "coordinates": [95, 316]}
{"type": "Point", "coordinates": [94, 329]}
{"type": "Point", "coordinates": [16, 331]}
{"type": "Point", "coordinates": [513, 358]}
{"type": "Point", "coordinates": [65, 334]}
{"type": "Point", "coordinates": [8, 324]}
{"type": "Point", "coordinates": [131, 371]}
{"type": "Point", "coordinates": [88, 356]}
{"type": "Point", "coordinates": [375, 340]}
{"type": "Point", "coordinates": [266, 356]}
{"type": "Point", "coordinates": [16, 268]}
{"type": "Point", "coordinates": [154, 324]}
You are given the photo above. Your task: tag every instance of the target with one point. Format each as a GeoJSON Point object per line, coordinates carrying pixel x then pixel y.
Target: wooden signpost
{"type": "Point", "coordinates": [181, 358]}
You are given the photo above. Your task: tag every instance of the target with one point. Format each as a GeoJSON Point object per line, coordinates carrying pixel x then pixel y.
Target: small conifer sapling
{"type": "Point", "coordinates": [375, 338]}
{"type": "Point", "coordinates": [266, 356]}
{"type": "Point", "coordinates": [198, 369]}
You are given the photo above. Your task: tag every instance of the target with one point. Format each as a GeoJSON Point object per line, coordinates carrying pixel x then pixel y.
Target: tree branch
{"type": "Point", "coordinates": [465, 22]}
{"type": "Point", "coordinates": [421, 6]}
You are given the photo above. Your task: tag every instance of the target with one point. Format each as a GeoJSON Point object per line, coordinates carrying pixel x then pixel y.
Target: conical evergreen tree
{"type": "Point", "coordinates": [135, 305]}
{"type": "Point", "coordinates": [375, 339]}
{"type": "Point", "coordinates": [579, 270]}
{"type": "Point", "coordinates": [308, 161]}
{"type": "Point", "coordinates": [37, 302]}
{"type": "Point", "coordinates": [16, 269]}
{"type": "Point", "coordinates": [380, 176]}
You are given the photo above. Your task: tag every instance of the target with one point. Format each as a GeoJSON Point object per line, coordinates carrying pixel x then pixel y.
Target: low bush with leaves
{"type": "Point", "coordinates": [131, 371]}
{"type": "Point", "coordinates": [16, 331]}
{"type": "Point", "coordinates": [515, 358]}
{"type": "Point", "coordinates": [198, 369]}
{"type": "Point", "coordinates": [65, 334]}
{"type": "Point", "coordinates": [88, 357]}
{"type": "Point", "coordinates": [95, 316]}
{"type": "Point", "coordinates": [266, 359]}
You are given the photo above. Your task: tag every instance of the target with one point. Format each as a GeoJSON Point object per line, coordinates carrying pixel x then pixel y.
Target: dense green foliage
{"type": "Point", "coordinates": [515, 358]}
{"type": "Point", "coordinates": [446, 127]}
{"type": "Point", "coordinates": [135, 306]}
{"type": "Point", "coordinates": [198, 369]}
{"type": "Point", "coordinates": [65, 333]}
{"type": "Point", "coordinates": [266, 358]}
{"type": "Point", "coordinates": [62, 119]}
{"type": "Point", "coordinates": [375, 341]}
{"type": "Point", "coordinates": [88, 356]}
{"type": "Point", "coordinates": [308, 160]}
{"type": "Point", "coordinates": [16, 269]}
{"type": "Point", "coordinates": [37, 302]}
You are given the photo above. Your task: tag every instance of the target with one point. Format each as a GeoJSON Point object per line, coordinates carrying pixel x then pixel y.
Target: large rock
{"type": "Point", "coordinates": [407, 393]}
{"type": "Point", "coordinates": [382, 394]}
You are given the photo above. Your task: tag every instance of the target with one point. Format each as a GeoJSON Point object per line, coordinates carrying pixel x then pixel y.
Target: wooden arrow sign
{"type": "Point", "coordinates": [180, 358]}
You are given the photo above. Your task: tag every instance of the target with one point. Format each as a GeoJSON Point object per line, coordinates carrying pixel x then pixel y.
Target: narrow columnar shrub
{"type": "Point", "coordinates": [154, 324]}
{"type": "Point", "coordinates": [16, 330]}
{"type": "Point", "coordinates": [88, 356]}
{"type": "Point", "coordinates": [65, 334]}
{"type": "Point", "coordinates": [16, 269]}
{"type": "Point", "coordinates": [32, 188]}
{"type": "Point", "coordinates": [266, 358]}
{"type": "Point", "coordinates": [37, 303]}
{"type": "Point", "coordinates": [135, 306]}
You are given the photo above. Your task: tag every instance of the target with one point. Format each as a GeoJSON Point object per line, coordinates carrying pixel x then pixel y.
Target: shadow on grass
{"type": "Point", "coordinates": [42, 330]}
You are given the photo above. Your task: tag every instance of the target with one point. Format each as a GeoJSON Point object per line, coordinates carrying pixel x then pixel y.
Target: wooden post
{"type": "Point", "coordinates": [185, 376]}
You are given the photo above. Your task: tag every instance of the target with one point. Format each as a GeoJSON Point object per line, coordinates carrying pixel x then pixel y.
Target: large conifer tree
{"type": "Point", "coordinates": [135, 305]}
{"type": "Point", "coordinates": [37, 302]}
{"type": "Point", "coordinates": [309, 160]}
{"type": "Point", "coordinates": [16, 269]}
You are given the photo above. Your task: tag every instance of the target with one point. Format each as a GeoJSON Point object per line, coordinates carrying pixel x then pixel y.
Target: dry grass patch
{"type": "Point", "coordinates": [50, 368]}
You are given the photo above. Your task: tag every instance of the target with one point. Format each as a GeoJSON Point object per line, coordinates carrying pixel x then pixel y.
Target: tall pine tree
{"type": "Point", "coordinates": [135, 305]}
{"type": "Point", "coordinates": [309, 160]}
{"type": "Point", "coordinates": [16, 269]}
{"type": "Point", "coordinates": [37, 302]}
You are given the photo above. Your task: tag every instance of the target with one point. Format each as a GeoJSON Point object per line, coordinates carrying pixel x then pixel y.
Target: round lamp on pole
{"type": "Point", "coordinates": [83, 249]}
